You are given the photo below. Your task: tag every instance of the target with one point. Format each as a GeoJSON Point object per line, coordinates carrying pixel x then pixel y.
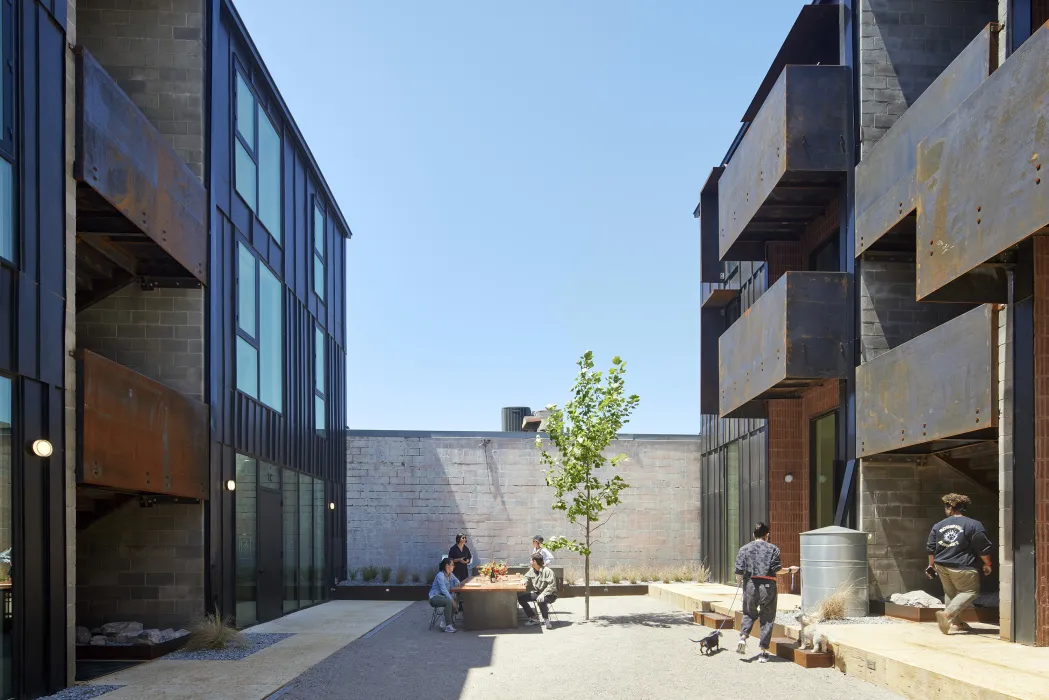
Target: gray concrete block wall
{"type": "Point", "coordinates": [157, 333]}
{"type": "Point", "coordinates": [142, 564]}
{"type": "Point", "coordinates": [890, 315]}
{"type": "Point", "coordinates": [898, 505]}
{"type": "Point", "coordinates": [407, 497]}
{"type": "Point", "coordinates": [154, 49]}
{"type": "Point", "coordinates": [904, 46]}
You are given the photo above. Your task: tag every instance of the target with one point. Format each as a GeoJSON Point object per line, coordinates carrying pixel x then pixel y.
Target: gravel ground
{"type": "Point", "coordinates": [82, 692]}
{"type": "Point", "coordinates": [258, 642]}
{"type": "Point", "coordinates": [635, 648]}
{"type": "Point", "coordinates": [790, 619]}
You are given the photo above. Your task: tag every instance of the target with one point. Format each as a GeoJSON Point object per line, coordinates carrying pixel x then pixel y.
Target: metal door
{"type": "Point", "coordinates": [271, 559]}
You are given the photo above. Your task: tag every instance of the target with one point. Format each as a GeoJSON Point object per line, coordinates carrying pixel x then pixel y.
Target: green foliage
{"type": "Point", "coordinates": [369, 573]}
{"type": "Point", "coordinates": [352, 574]}
{"type": "Point", "coordinates": [386, 571]}
{"type": "Point", "coordinates": [416, 577]}
{"type": "Point", "coordinates": [402, 576]}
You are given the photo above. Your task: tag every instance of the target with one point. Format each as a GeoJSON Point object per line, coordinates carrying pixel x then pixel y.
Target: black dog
{"type": "Point", "coordinates": [711, 643]}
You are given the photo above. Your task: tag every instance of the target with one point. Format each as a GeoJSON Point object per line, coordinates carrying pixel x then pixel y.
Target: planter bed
{"type": "Point", "coordinates": [135, 652]}
{"type": "Point", "coordinates": [381, 591]}
{"type": "Point", "coordinates": [603, 589]}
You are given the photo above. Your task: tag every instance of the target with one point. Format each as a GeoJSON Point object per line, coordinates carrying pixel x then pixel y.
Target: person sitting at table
{"type": "Point", "coordinates": [441, 595]}
{"type": "Point", "coordinates": [540, 587]}
{"type": "Point", "coordinates": [461, 556]}
{"type": "Point", "coordinates": [538, 548]}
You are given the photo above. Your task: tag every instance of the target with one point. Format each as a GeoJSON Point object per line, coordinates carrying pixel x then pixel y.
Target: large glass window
{"type": "Point", "coordinates": [7, 211]}
{"type": "Point", "coordinates": [319, 403]}
{"type": "Point", "coordinates": [305, 540]}
{"type": "Point", "coordinates": [319, 273]}
{"type": "Point", "coordinates": [6, 541]}
{"type": "Point", "coordinates": [732, 477]}
{"type": "Point", "coordinates": [246, 497]}
{"type": "Point", "coordinates": [7, 192]}
{"type": "Point", "coordinates": [290, 499]}
{"type": "Point", "coordinates": [824, 430]}
{"type": "Point", "coordinates": [260, 331]}
{"type": "Point", "coordinates": [257, 159]}
{"type": "Point", "coordinates": [319, 509]}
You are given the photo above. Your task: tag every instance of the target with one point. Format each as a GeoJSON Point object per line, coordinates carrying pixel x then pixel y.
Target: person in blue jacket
{"type": "Point", "coordinates": [441, 595]}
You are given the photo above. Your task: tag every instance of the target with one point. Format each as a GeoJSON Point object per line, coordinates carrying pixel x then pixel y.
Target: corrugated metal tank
{"type": "Point", "coordinates": [513, 418]}
{"type": "Point", "coordinates": [831, 557]}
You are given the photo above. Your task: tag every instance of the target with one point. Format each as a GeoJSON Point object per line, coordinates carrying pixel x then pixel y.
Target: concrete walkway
{"type": "Point", "coordinates": [319, 632]}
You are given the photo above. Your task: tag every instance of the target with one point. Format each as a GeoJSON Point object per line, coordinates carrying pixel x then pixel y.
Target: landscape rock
{"type": "Point", "coordinates": [167, 635]}
{"type": "Point", "coordinates": [153, 636]}
{"type": "Point", "coordinates": [83, 635]}
{"type": "Point", "coordinates": [916, 599]}
{"type": "Point", "coordinates": [98, 641]}
{"type": "Point", "coordinates": [181, 633]}
{"type": "Point", "coordinates": [114, 628]}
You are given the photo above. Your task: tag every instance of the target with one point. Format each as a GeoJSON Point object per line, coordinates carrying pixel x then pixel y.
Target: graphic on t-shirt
{"type": "Point", "coordinates": [949, 535]}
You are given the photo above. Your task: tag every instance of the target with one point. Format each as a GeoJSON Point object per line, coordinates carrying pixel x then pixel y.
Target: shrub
{"type": "Point", "coordinates": [386, 572]}
{"type": "Point", "coordinates": [214, 632]}
{"type": "Point", "coordinates": [416, 577]}
{"type": "Point", "coordinates": [702, 573]}
{"type": "Point", "coordinates": [833, 606]}
{"type": "Point", "coordinates": [616, 577]}
{"type": "Point", "coordinates": [402, 576]}
{"type": "Point", "coordinates": [633, 575]}
{"type": "Point", "coordinates": [369, 573]}
{"type": "Point", "coordinates": [352, 575]}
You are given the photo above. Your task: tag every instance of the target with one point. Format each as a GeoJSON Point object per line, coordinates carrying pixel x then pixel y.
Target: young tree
{"type": "Point", "coordinates": [579, 434]}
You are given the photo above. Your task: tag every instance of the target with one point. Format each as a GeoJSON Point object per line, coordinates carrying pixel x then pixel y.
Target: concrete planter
{"type": "Point", "coordinates": [601, 589]}
{"type": "Point", "coordinates": [381, 592]}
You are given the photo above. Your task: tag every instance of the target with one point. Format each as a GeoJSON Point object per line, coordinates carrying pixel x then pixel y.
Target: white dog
{"type": "Point", "coordinates": [812, 635]}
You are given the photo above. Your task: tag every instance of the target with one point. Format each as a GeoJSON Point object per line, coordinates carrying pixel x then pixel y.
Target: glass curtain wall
{"type": "Point", "coordinates": [304, 538]}
{"type": "Point", "coordinates": [824, 438]}
{"type": "Point", "coordinates": [290, 491]}
{"type": "Point", "coordinates": [246, 499]}
{"type": "Point", "coordinates": [6, 470]}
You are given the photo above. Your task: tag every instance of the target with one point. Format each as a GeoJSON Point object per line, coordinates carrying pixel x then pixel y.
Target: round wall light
{"type": "Point", "coordinates": [231, 485]}
{"type": "Point", "coordinates": [788, 478]}
{"type": "Point", "coordinates": [42, 448]}
{"type": "Point", "coordinates": [331, 506]}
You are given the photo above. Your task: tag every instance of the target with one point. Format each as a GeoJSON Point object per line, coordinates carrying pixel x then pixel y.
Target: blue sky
{"type": "Point", "coordinates": [520, 179]}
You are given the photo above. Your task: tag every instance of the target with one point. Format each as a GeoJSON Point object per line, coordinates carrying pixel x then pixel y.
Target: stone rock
{"type": "Point", "coordinates": [113, 628]}
{"type": "Point", "coordinates": [96, 630]}
{"type": "Point", "coordinates": [120, 640]}
{"type": "Point", "coordinates": [153, 636]}
{"type": "Point", "coordinates": [83, 635]}
{"type": "Point", "coordinates": [98, 641]}
{"type": "Point", "coordinates": [916, 599]}
{"type": "Point", "coordinates": [181, 633]}
{"type": "Point", "coordinates": [167, 635]}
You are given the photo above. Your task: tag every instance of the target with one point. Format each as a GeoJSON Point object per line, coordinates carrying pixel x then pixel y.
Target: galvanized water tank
{"type": "Point", "coordinates": [832, 557]}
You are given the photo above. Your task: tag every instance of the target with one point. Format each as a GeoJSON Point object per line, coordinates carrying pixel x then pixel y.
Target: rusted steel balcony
{"type": "Point", "coordinates": [789, 164]}
{"type": "Point", "coordinates": [936, 392]}
{"type": "Point", "coordinates": [141, 213]}
{"type": "Point", "coordinates": [790, 339]}
{"type": "Point", "coordinates": [886, 186]}
{"type": "Point", "coordinates": [135, 434]}
{"type": "Point", "coordinates": [981, 178]}
{"type": "Point", "coordinates": [707, 213]}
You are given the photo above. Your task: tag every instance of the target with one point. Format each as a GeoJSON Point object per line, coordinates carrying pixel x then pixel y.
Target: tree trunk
{"type": "Point", "coordinates": [586, 591]}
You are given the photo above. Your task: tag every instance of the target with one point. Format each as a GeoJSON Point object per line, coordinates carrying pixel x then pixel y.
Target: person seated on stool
{"type": "Point", "coordinates": [441, 595]}
{"type": "Point", "coordinates": [540, 587]}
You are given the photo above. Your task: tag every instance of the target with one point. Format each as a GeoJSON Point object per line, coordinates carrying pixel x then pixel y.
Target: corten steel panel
{"type": "Point", "coordinates": [792, 337]}
{"type": "Point", "coordinates": [710, 261]}
{"type": "Point", "coordinates": [139, 435]}
{"type": "Point", "coordinates": [712, 323]}
{"type": "Point", "coordinates": [788, 166]}
{"type": "Point", "coordinates": [886, 191]}
{"type": "Point", "coordinates": [125, 160]}
{"type": "Point", "coordinates": [939, 386]}
{"type": "Point", "coordinates": [981, 186]}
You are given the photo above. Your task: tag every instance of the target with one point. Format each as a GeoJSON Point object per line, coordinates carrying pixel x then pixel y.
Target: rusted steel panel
{"type": "Point", "coordinates": [885, 178]}
{"type": "Point", "coordinates": [711, 324]}
{"type": "Point", "coordinates": [938, 386]}
{"type": "Point", "coordinates": [789, 339]}
{"type": "Point", "coordinates": [709, 260]}
{"type": "Point", "coordinates": [980, 173]}
{"type": "Point", "coordinates": [792, 156]}
{"type": "Point", "coordinates": [131, 165]}
{"type": "Point", "coordinates": [137, 434]}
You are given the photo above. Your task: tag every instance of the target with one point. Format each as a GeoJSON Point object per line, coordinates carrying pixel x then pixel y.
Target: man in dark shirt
{"type": "Point", "coordinates": [757, 564]}
{"type": "Point", "coordinates": [954, 545]}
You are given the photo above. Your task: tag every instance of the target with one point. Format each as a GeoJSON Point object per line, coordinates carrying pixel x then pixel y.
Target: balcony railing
{"type": "Point", "coordinates": [789, 165]}
{"type": "Point", "coordinates": [933, 393]}
{"type": "Point", "coordinates": [138, 435]}
{"type": "Point", "coordinates": [790, 339]}
{"type": "Point", "coordinates": [886, 187]}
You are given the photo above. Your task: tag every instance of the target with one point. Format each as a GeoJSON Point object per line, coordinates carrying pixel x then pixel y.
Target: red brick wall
{"type": "Point", "coordinates": [1041, 433]}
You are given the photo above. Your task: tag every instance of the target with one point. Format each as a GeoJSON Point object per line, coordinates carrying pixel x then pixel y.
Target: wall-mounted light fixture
{"type": "Point", "coordinates": [42, 448]}
{"type": "Point", "coordinates": [231, 485]}
{"type": "Point", "coordinates": [331, 506]}
{"type": "Point", "coordinates": [788, 478]}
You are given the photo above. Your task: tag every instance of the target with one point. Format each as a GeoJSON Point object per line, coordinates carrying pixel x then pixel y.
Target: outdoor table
{"type": "Point", "coordinates": [489, 606]}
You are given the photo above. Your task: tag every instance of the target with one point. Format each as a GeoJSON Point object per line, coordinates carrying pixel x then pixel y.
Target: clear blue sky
{"type": "Point", "coordinates": [520, 179]}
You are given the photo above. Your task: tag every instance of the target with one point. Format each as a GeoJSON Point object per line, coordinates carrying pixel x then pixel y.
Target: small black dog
{"type": "Point", "coordinates": [711, 643]}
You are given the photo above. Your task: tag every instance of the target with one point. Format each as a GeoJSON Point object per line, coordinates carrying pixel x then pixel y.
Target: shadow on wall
{"type": "Point", "coordinates": [408, 495]}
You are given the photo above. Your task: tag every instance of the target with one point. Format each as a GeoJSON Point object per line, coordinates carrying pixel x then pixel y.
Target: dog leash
{"type": "Point", "coordinates": [731, 605]}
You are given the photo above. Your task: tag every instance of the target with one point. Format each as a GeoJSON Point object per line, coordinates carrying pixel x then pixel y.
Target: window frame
{"type": "Point", "coordinates": [259, 112]}
{"type": "Point", "coordinates": [320, 336]}
{"type": "Point", "coordinates": [320, 255]}
{"type": "Point", "coordinates": [8, 149]}
{"type": "Point", "coordinates": [255, 341]}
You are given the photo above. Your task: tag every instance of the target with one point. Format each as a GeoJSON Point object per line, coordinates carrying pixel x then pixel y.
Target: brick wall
{"type": "Point", "coordinates": [904, 46]}
{"type": "Point", "coordinates": [408, 495]}
{"type": "Point", "coordinates": [898, 504]}
{"type": "Point", "coordinates": [157, 333]}
{"type": "Point", "coordinates": [154, 49]}
{"type": "Point", "coordinates": [142, 564]}
{"type": "Point", "coordinates": [1041, 437]}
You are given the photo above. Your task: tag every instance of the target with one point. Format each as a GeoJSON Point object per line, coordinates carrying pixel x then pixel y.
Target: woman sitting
{"type": "Point", "coordinates": [441, 595]}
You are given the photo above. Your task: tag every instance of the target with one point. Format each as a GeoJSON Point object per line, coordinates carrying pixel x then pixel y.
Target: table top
{"type": "Point", "coordinates": [481, 584]}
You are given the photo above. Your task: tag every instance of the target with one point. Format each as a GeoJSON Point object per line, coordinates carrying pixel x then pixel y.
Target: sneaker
{"type": "Point", "coordinates": [531, 622]}
{"type": "Point", "coordinates": [549, 625]}
{"type": "Point", "coordinates": [962, 626]}
{"type": "Point", "coordinates": [764, 658]}
{"type": "Point", "coordinates": [449, 628]}
{"type": "Point", "coordinates": [741, 648]}
{"type": "Point", "coordinates": [943, 621]}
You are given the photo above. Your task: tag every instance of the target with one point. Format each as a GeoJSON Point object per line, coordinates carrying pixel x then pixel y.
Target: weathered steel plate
{"type": "Point", "coordinates": [981, 186]}
{"type": "Point", "coordinates": [886, 190]}
{"type": "Point", "coordinates": [789, 339]}
{"type": "Point", "coordinates": [941, 385]}
{"type": "Point", "coordinates": [709, 260]}
{"type": "Point", "coordinates": [139, 435]}
{"type": "Point", "coordinates": [132, 166]}
{"type": "Point", "coordinates": [792, 157]}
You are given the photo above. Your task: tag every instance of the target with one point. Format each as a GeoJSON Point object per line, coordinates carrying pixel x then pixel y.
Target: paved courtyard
{"type": "Point", "coordinates": [633, 647]}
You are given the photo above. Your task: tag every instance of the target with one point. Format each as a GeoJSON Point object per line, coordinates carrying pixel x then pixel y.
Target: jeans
{"type": "Point", "coordinates": [960, 588]}
{"type": "Point", "coordinates": [525, 600]}
{"type": "Point", "coordinates": [440, 601]}
{"type": "Point", "coordinates": [759, 603]}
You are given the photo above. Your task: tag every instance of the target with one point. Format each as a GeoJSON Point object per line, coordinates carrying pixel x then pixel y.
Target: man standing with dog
{"type": "Point", "coordinates": [954, 545]}
{"type": "Point", "coordinates": [757, 564]}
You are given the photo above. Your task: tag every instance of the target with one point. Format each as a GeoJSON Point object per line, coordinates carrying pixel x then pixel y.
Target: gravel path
{"type": "Point", "coordinates": [82, 692]}
{"type": "Point", "coordinates": [634, 648]}
{"type": "Point", "coordinates": [257, 642]}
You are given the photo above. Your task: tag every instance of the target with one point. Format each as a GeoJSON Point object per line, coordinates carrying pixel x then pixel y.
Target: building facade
{"type": "Point", "coordinates": [872, 288]}
{"type": "Point", "coordinates": [172, 332]}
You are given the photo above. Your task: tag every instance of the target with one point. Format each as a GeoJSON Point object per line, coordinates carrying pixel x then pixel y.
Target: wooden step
{"type": "Point", "coordinates": [697, 617]}
{"type": "Point", "coordinates": [807, 658]}
{"type": "Point", "coordinates": [716, 620]}
{"type": "Point", "coordinates": [783, 647]}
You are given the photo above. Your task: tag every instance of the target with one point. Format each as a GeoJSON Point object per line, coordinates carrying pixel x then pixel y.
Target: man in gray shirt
{"type": "Point", "coordinates": [757, 564]}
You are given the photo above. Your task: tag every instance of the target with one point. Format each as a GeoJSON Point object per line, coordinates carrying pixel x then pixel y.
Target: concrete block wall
{"type": "Point", "coordinates": [904, 46]}
{"type": "Point", "coordinates": [154, 49]}
{"type": "Point", "coordinates": [409, 494]}
{"type": "Point", "coordinates": [899, 502]}
{"type": "Point", "coordinates": [157, 333]}
{"type": "Point", "coordinates": [142, 564]}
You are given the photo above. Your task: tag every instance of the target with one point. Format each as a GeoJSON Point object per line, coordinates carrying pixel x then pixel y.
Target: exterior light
{"type": "Point", "coordinates": [788, 478]}
{"type": "Point", "coordinates": [43, 448]}
{"type": "Point", "coordinates": [331, 506]}
{"type": "Point", "coordinates": [231, 485]}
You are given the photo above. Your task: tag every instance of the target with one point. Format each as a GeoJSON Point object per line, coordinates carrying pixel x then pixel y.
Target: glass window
{"type": "Point", "coordinates": [260, 340]}
{"type": "Point", "coordinates": [319, 509]}
{"type": "Point", "coordinates": [7, 211]}
{"type": "Point", "coordinates": [269, 476]}
{"type": "Point", "coordinates": [246, 290]}
{"type": "Point", "coordinates": [291, 539]}
{"type": "Point", "coordinates": [732, 506]}
{"type": "Point", "coordinates": [269, 176]}
{"type": "Point", "coordinates": [245, 111]}
{"type": "Point", "coordinates": [824, 438]}
{"type": "Point", "coordinates": [257, 159]}
{"type": "Point", "coordinates": [271, 340]}
{"type": "Point", "coordinates": [6, 542]}
{"type": "Point", "coordinates": [246, 499]}
{"type": "Point", "coordinates": [305, 540]}
{"type": "Point", "coordinates": [319, 275]}
{"type": "Point", "coordinates": [320, 416]}
{"type": "Point", "coordinates": [247, 368]}
{"type": "Point", "coordinates": [246, 176]}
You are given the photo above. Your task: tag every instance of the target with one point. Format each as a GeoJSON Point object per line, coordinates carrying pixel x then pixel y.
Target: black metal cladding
{"type": "Point", "coordinates": [239, 423]}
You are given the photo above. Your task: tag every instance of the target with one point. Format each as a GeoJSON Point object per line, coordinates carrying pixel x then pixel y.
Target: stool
{"type": "Point", "coordinates": [439, 612]}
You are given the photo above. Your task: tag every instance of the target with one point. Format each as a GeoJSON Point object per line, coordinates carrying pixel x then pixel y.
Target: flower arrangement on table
{"type": "Point", "coordinates": [494, 570]}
